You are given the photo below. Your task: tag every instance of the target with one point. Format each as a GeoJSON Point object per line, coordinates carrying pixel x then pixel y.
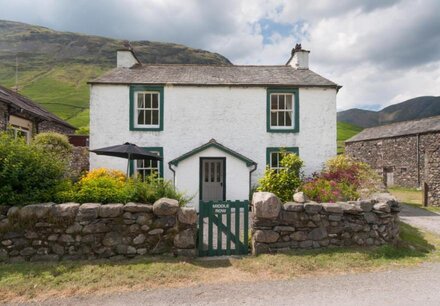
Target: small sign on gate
{"type": "Point", "coordinates": [220, 208]}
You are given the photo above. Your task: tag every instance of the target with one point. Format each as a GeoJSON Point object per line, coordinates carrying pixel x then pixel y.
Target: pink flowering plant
{"type": "Point", "coordinates": [341, 180]}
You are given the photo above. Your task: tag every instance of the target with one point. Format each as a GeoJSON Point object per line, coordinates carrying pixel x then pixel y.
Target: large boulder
{"type": "Point", "coordinates": [138, 207]}
{"type": "Point", "coordinates": [299, 197]}
{"type": "Point", "coordinates": [187, 215]}
{"type": "Point", "coordinates": [266, 236]}
{"type": "Point", "coordinates": [185, 239]}
{"type": "Point", "coordinates": [333, 208]}
{"type": "Point", "coordinates": [36, 211]}
{"type": "Point", "coordinates": [88, 212]}
{"type": "Point", "coordinates": [110, 210]}
{"type": "Point", "coordinates": [266, 205]}
{"type": "Point", "coordinates": [165, 207]}
{"type": "Point", "coordinates": [312, 208]}
{"type": "Point", "coordinates": [65, 210]}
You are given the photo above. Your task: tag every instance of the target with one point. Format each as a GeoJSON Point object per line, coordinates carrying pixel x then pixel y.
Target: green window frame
{"type": "Point", "coordinates": [274, 162]}
{"type": "Point", "coordinates": [140, 109]}
{"type": "Point", "coordinates": [150, 165]}
{"type": "Point", "coordinates": [277, 110]}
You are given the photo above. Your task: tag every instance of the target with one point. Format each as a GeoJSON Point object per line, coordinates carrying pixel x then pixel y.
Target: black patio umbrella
{"type": "Point", "coordinates": [129, 151]}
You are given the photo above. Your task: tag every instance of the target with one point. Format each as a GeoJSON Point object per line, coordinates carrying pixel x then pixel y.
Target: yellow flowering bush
{"type": "Point", "coordinates": [97, 173]}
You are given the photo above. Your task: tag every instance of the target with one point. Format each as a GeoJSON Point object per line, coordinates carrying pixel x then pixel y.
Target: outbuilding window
{"type": "Point", "coordinates": [274, 156]}
{"type": "Point", "coordinates": [146, 108]}
{"type": "Point", "coordinates": [144, 168]}
{"type": "Point", "coordinates": [282, 110]}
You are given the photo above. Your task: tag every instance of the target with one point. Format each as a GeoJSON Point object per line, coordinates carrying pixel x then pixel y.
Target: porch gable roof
{"type": "Point", "coordinates": [215, 144]}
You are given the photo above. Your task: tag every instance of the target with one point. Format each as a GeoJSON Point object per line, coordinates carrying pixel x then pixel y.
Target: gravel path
{"type": "Point", "coordinates": [409, 286]}
{"type": "Point", "coordinates": [420, 218]}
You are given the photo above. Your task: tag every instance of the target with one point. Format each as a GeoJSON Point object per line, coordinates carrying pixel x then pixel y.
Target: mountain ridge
{"type": "Point", "coordinates": [411, 109]}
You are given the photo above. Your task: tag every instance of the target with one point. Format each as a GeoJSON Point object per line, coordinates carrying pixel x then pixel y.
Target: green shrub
{"type": "Point", "coordinates": [154, 188]}
{"type": "Point", "coordinates": [53, 143]}
{"type": "Point", "coordinates": [111, 186]}
{"type": "Point", "coordinates": [284, 182]}
{"type": "Point", "coordinates": [28, 174]}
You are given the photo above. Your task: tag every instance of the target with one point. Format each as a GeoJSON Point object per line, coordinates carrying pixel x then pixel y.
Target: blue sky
{"type": "Point", "coordinates": [381, 51]}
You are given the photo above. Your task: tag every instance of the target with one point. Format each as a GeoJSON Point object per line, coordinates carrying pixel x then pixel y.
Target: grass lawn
{"type": "Point", "coordinates": [38, 281]}
{"type": "Point", "coordinates": [412, 197]}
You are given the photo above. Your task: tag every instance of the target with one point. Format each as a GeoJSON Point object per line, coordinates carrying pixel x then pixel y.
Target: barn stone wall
{"type": "Point", "coordinates": [433, 177]}
{"type": "Point", "coordinates": [79, 162]}
{"type": "Point", "coordinates": [3, 118]}
{"type": "Point", "coordinates": [280, 227]}
{"type": "Point", "coordinates": [50, 232]}
{"type": "Point", "coordinates": [405, 155]}
{"type": "Point", "coordinates": [52, 126]}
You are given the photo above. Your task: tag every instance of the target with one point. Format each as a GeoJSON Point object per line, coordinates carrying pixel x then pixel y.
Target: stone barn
{"type": "Point", "coordinates": [406, 154]}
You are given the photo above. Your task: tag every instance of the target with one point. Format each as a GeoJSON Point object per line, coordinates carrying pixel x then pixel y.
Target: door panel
{"type": "Point", "coordinates": [212, 179]}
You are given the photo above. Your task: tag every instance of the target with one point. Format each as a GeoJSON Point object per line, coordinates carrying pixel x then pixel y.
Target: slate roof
{"type": "Point", "coordinates": [431, 124]}
{"type": "Point", "coordinates": [18, 101]}
{"type": "Point", "coordinates": [212, 75]}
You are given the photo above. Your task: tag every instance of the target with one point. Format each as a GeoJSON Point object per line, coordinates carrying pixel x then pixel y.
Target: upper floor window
{"type": "Point", "coordinates": [282, 110]}
{"type": "Point", "coordinates": [146, 108]}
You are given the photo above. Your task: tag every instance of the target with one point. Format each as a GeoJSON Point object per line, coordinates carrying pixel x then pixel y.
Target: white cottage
{"type": "Point", "coordinates": [216, 127]}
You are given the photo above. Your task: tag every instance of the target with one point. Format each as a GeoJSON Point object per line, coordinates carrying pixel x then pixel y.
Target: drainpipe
{"type": "Point", "coordinates": [418, 160]}
{"type": "Point", "coordinates": [174, 175]}
{"type": "Point", "coordinates": [250, 178]}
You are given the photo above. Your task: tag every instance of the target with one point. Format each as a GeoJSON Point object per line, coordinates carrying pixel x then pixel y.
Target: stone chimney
{"type": "Point", "coordinates": [126, 58]}
{"type": "Point", "coordinates": [299, 58]}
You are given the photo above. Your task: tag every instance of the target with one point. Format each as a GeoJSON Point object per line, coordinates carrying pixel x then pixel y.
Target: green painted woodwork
{"type": "Point", "coordinates": [269, 150]}
{"type": "Point", "coordinates": [137, 88]}
{"type": "Point", "coordinates": [214, 211]}
{"type": "Point", "coordinates": [154, 149]}
{"type": "Point", "coordinates": [295, 92]}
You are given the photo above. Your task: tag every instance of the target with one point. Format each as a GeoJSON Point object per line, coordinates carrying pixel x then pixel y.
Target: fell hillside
{"type": "Point", "coordinates": [53, 66]}
{"type": "Point", "coordinates": [345, 131]}
{"type": "Point", "coordinates": [416, 108]}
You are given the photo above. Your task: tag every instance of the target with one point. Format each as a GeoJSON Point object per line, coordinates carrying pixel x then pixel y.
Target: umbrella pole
{"type": "Point", "coordinates": [128, 166]}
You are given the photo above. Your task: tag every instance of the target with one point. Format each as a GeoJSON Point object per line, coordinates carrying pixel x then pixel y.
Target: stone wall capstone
{"type": "Point", "coordinates": [318, 225]}
{"type": "Point", "coordinates": [50, 232]}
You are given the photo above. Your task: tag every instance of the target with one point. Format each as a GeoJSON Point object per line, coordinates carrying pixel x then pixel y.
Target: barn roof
{"type": "Point", "coordinates": [431, 124]}
{"type": "Point", "coordinates": [215, 75]}
{"type": "Point", "coordinates": [18, 101]}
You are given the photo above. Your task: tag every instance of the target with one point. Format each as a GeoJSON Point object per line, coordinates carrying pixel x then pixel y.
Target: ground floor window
{"type": "Point", "coordinates": [144, 168]}
{"type": "Point", "coordinates": [274, 156]}
{"type": "Point", "coordinates": [20, 132]}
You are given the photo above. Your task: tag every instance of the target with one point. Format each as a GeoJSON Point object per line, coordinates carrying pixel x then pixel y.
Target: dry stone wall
{"type": "Point", "coordinates": [50, 232]}
{"type": "Point", "coordinates": [280, 227]}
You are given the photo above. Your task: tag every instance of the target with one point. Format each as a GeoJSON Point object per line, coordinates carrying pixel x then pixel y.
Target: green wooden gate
{"type": "Point", "coordinates": [223, 228]}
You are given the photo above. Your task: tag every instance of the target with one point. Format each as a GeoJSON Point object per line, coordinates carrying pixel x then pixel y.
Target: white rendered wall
{"type": "Point", "coordinates": [234, 116]}
{"type": "Point", "coordinates": [237, 175]}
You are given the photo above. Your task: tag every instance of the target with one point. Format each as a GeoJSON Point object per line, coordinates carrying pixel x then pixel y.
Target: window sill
{"type": "Point", "coordinates": [290, 130]}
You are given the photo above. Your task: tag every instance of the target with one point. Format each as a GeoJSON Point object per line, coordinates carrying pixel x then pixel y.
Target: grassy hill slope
{"type": "Point", "coordinates": [53, 67]}
{"type": "Point", "coordinates": [345, 131]}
